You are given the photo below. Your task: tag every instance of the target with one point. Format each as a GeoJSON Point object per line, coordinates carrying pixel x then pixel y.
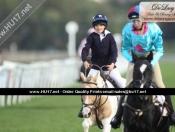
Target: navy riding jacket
{"type": "Point", "coordinates": [104, 50]}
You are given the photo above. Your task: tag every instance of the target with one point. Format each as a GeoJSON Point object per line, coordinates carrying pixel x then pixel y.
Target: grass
{"type": "Point", "coordinates": [168, 73]}
{"type": "Point", "coordinates": [57, 113]}
{"type": "Point", "coordinates": [45, 114]}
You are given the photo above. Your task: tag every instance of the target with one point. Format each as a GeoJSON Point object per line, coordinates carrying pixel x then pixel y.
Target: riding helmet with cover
{"type": "Point", "coordinates": [136, 11]}
{"type": "Point", "coordinates": [99, 19]}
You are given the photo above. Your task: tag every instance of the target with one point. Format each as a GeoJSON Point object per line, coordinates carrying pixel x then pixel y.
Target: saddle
{"type": "Point", "coordinates": [165, 108]}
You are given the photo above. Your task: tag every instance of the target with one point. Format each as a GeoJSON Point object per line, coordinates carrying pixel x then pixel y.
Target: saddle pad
{"type": "Point", "coordinates": [165, 112]}
{"type": "Point", "coordinates": [109, 84]}
{"type": "Point", "coordinates": [161, 99]}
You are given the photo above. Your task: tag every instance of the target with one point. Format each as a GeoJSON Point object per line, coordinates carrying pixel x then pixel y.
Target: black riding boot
{"type": "Point", "coordinates": [80, 115]}
{"type": "Point", "coordinates": [172, 114]}
{"type": "Point", "coordinates": [116, 121]}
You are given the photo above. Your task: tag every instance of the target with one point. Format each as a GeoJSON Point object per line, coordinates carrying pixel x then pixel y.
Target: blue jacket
{"type": "Point", "coordinates": [142, 44]}
{"type": "Point", "coordinates": [104, 52]}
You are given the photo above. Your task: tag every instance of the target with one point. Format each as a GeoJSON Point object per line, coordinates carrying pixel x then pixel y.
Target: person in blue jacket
{"type": "Point", "coordinates": [104, 51]}
{"type": "Point", "coordinates": [103, 48]}
{"type": "Point", "coordinates": [141, 38]}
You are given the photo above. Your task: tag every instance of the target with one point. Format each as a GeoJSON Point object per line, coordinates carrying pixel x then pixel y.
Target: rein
{"type": "Point", "coordinates": [101, 74]}
{"type": "Point", "coordinates": [90, 82]}
{"type": "Point", "coordinates": [96, 104]}
{"type": "Point", "coordinates": [139, 112]}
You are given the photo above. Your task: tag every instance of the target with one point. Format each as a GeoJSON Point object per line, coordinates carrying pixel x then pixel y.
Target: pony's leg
{"type": "Point", "coordinates": [164, 125]}
{"type": "Point", "coordinates": [87, 123]}
{"type": "Point", "coordinates": [106, 125]}
{"type": "Point", "coordinates": [122, 125]}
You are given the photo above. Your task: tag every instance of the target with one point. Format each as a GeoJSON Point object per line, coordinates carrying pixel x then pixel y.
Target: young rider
{"type": "Point", "coordinates": [104, 50]}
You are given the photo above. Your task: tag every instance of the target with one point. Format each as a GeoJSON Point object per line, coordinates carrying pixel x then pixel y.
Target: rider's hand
{"type": "Point", "coordinates": [111, 67]}
{"type": "Point", "coordinates": [86, 65]}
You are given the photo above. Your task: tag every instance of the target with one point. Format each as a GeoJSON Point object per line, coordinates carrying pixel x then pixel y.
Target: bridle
{"type": "Point", "coordinates": [144, 81]}
{"type": "Point", "coordinates": [139, 112]}
{"type": "Point", "coordinates": [138, 83]}
{"type": "Point", "coordinates": [101, 74]}
{"type": "Point", "coordinates": [95, 105]}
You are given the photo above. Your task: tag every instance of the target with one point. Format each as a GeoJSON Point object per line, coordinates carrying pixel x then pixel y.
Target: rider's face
{"type": "Point", "coordinates": [99, 28]}
{"type": "Point", "coordinates": [137, 23]}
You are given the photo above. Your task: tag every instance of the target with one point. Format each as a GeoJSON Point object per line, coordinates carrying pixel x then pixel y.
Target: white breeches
{"type": "Point", "coordinates": [114, 74]}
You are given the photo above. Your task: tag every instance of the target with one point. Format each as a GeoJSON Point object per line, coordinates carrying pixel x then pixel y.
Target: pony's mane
{"type": "Point", "coordinates": [99, 81]}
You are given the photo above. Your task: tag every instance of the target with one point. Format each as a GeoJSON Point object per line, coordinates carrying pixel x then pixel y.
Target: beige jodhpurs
{"type": "Point", "coordinates": [157, 76]}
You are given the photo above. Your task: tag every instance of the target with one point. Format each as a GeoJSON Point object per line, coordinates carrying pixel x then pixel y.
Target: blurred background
{"type": "Point", "coordinates": [44, 30]}
{"type": "Point", "coordinates": [36, 55]}
{"type": "Point", "coordinates": [42, 37]}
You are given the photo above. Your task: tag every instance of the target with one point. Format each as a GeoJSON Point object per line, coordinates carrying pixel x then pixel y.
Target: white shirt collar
{"type": "Point", "coordinates": [103, 35]}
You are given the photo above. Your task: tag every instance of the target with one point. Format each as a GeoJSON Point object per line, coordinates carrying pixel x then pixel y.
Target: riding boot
{"type": "Point", "coordinates": [80, 115]}
{"type": "Point", "coordinates": [116, 121]}
{"type": "Point", "coordinates": [172, 114]}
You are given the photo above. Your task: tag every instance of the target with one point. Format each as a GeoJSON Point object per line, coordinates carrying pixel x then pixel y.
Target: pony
{"type": "Point", "coordinates": [144, 113]}
{"type": "Point", "coordinates": [97, 109]}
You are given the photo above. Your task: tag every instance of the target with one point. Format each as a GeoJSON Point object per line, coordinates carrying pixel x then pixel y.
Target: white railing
{"type": "Point", "coordinates": [52, 74]}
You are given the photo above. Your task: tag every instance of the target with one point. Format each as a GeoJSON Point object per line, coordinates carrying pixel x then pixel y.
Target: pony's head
{"type": "Point", "coordinates": [90, 101]}
{"type": "Point", "coordinates": [136, 58]}
{"type": "Point", "coordinates": [142, 73]}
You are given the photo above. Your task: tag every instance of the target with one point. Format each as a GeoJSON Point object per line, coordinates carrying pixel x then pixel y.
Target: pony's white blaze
{"type": "Point", "coordinates": [86, 110]}
{"type": "Point", "coordinates": [142, 85]}
{"type": "Point", "coordinates": [143, 67]}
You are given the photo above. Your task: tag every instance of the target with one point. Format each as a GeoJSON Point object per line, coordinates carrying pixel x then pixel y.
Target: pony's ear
{"type": "Point", "coordinates": [150, 56]}
{"type": "Point", "coordinates": [82, 76]}
{"type": "Point", "coordinates": [134, 57]}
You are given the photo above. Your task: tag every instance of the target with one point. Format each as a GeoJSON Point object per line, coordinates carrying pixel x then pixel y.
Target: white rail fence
{"type": "Point", "coordinates": [52, 74]}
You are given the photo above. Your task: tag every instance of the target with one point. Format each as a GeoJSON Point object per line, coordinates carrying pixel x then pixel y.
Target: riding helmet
{"type": "Point", "coordinates": [99, 19]}
{"type": "Point", "coordinates": [136, 11]}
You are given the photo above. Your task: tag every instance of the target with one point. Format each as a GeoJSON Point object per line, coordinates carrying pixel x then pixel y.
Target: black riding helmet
{"type": "Point", "coordinates": [99, 19]}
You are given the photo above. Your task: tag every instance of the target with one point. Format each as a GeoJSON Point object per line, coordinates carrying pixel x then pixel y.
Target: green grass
{"type": "Point", "coordinates": [168, 73]}
{"type": "Point", "coordinates": [45, 114]}
{"type": "Point", "coordinates": [58, 113]}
